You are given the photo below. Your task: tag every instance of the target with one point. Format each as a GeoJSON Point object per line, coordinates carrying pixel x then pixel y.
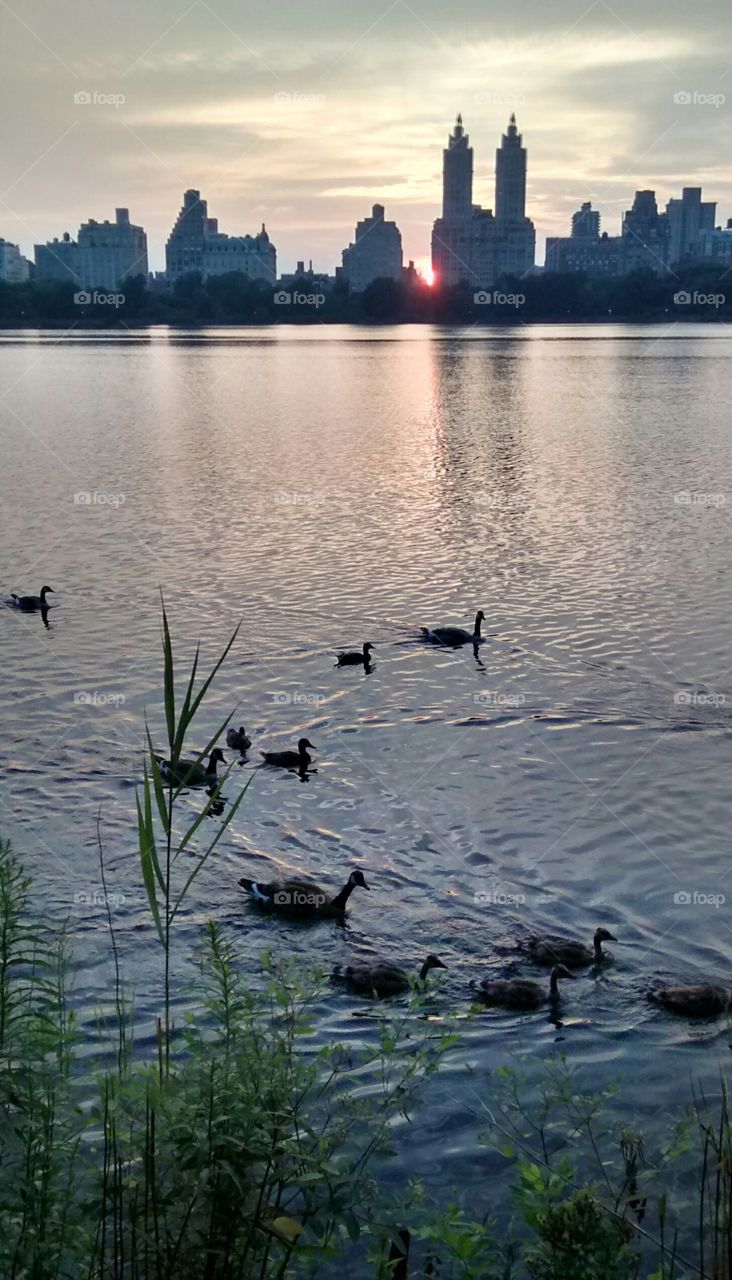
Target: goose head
{"type": "Point", "coordinates": [217, 757]}
{"type": "Point", "coordinates": [561, 971]}
{"type": "Point", "coordinates": [45, 591]}
{"type": "Point", "coordinates": [603, 935]}
{"type": "Point", "coordinates": [303, 745]}
{"type": "Point", "coordinates": [432, 962]}
{"type": "Point", "coordinates": [357, 878]}
{"type": "Point", "coordinates": [368, 647]}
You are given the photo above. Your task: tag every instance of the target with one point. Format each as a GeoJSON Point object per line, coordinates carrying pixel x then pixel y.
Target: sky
{"type": "Point", "coordinates": [303, 113]}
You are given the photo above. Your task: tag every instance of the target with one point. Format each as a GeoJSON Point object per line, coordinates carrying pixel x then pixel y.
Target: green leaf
{"type": "Point", "coordinates": [168, 681]}
{"type": "Point", "coordinates": [148, 866]}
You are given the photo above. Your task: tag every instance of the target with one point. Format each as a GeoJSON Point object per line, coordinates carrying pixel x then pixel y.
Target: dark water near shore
{"type": "Point", "coordinates": [330, 486]}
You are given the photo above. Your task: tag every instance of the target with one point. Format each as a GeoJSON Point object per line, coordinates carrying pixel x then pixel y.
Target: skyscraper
{"type": "Point", "coordinates": [586, 223]}
{"type": "Point", "coordinates": [511, 176]}
{"type": "Point", "coordinates": [469, 244]}
{"type": "Point", "coordinates": [105, 254]}
{"type": "Point", "coordinates": [375, 254]}
{"type": "Point", "coordinates": [184, 250]}
{"type": "Point", "coordinates": [457, 174]}
{"type": "Point", "coordinates": [196, 244]}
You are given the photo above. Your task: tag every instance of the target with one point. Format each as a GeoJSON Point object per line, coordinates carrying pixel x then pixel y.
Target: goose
{"type": "Point", "coordinates": [30, 603]}
{"type": "Point", "coordinates": [237, 739]}
{"type": "Point", "coordinates": [382, 978]}
{"type": "Point", "coordinates": [573, 955]}
{"type": "Point", "coordinates": [353, 656]}
{"type": "Point", "coordinates": [700, 1001]}
{"type": "Point", "coordinates": [454, 636]}
{"type": "Point", "coordinates": [522, 993]}
{"type": "Point", "coordinates": [302, 897]}
{"type": "Point", "coordinates": [290, 759]}
{"type": "Point", "coordinates": [192, 773]}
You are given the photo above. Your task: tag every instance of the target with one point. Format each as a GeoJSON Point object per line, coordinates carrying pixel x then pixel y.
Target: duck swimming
{"type": "Point", "coordinates": [702, 1001]}
{"type": "Point", "coordinates": [573, 955]}
{"type": "Point", "coordinates": [383, 979]}
{"type": "Point", "coordinates": [454, 636]}
{"type": "Point", "coordinates": [237, 740]}
{"type": "Point", "coordinates": [290, 759]}
{"type": "Point", "coordinates": [302, 897]}
{"type": "Point", "coordinates": [522, 993]}
{"type": "Point", "coordinates": [29, 603]}
{"type": "Point", "coordinates": [192, 773]}
{"type": "Point", "coordinates": [354, 656]}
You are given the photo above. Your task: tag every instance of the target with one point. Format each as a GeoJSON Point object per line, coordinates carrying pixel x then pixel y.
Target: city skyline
{"type": "Point", "coordinates": [304, 120]}
{"type": "Point", "coordinates": [500, 239]}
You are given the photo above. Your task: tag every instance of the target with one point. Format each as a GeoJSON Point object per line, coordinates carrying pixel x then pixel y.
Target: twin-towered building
{"type": "Point", "coordinates": [473, 245]}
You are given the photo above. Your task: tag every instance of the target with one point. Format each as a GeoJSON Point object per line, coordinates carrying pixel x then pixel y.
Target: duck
{"type": "Point", "coordinates": [454, 636]}
{"type": "Point", "coordinates": [290, 759]}
{"type": "Point", "coordinates": [238, 740]}
{"type": "Point", "coordinates": [303, 897]}
{"type": "Point", "coordinates": [573, 955]}
{"type": "Point", "coordinates": [383, 979]}
{"type": "Point", "coordinates": [702, 1001]}
{"type": "Point", "coordinates": [353, 657]}
{"type": "Point", "coordinates": [192, 773]}
{"type": "Point", "coordinates": [29, 603]}
{"type": "Point", "coordinates": [522, 993]}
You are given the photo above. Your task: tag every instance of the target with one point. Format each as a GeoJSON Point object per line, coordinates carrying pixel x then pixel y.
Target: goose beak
{"type": "Point", "coordinates": [366, 886]}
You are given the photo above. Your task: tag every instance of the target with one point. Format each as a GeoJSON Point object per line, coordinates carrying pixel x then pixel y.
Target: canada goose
{"type": "Point", "coordinates": [237, 740]}
{"type": "Point", "coordinates": [353, 656]}
{"type": "Point", "coordinates": [382, 978]}
{"type": "Point", "coordinates": [522, 993]}
{"type": "Point", "coordinates": [454, 636]}
{"type": "Point", "coordinates": [290, 759]}
{"type": "Point", "coordinates": [29, 603]}
{"type": "Point", "coordinates": [302, 897]}
{"type": "Point", "coordinates": [573, 955]}
{"type": "Point", "coordinates": [693, 1001]}
{"type": "Point", "coordinates": [192, 773]}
